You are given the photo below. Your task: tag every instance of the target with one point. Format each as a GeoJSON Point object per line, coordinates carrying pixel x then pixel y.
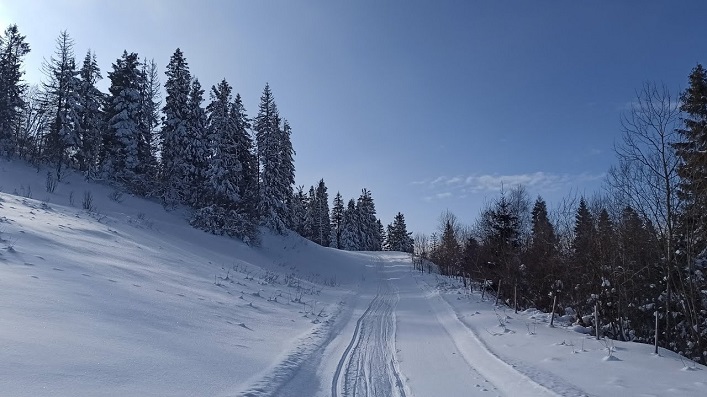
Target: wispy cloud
{"type": "Point", "coordinates": [541, 182]}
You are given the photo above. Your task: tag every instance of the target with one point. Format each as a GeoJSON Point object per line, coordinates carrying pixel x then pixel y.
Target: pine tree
{"type": "Point", "coordinates": [62, 100]}
{"type": "Point", "coordinates": [173, 135]}
{"type": "Point", "coordinates": [369, 234]}
{"type": "Point", "coordinates": [248, 182]}
{"type": "Point", "coordinates": [196, 151]}
{"type": "Point", "coordinates": [13, 49]}
{"type": "Point", "coordinates": [692, 223]}
{"type": "Point", "coordinates": [322, 223]}
{"type": "Point", "coordinates": [337, 216]}
{"type": "Point", "coordinates": [542, 257]}
{"type": "Point", "coordinates": [583, 256]}
{"type": "Point", "coordinates": [350, 228]}
{"type": "Point", "coordinates": [150, 93]}
{"type": "Point", "coordinates": [90, 116]}
{"type": "Point", "coordinates": [225, 208]}
{"type": "Point", "coordinates": [398, 238]}
{"type": "Point", "coordinates": [274, 152]}
{"type": "Point", "coordinates": [123, 136]}
{"type": "Point", "coordinates": [447, 255]}
{"type": "Point", "coordinates": [298, 209]}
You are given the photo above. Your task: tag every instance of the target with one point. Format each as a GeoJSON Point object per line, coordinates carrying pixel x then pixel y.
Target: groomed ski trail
{"type": "Point", "coordinates": [369, 365]}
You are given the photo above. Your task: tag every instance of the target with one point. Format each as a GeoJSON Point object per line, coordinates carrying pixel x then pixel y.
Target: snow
{"type": "Point", "coordinates": [130, 300]}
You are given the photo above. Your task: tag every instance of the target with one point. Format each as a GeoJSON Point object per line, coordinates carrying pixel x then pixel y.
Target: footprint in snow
{"type": "Point", "coordinates": [112, 281]}
{"type": "Point", "coordinates": [182, 295]}
{"type": "Point", "coordinates": [137, 285]}
{"type": "Point", "coordinates": [57, 269]}
{"type": "Point", "coordinates": [29, 264]}
{"type": "Point", "coordinates": [85, 275]}
{"type": "Point", "coordinates": [34, 276]}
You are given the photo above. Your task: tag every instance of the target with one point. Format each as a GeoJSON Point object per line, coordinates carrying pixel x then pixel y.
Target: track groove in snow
{"type": "Point", "coordinates": [500, 373]}
{"type": "Point", "coordinates": [368, 363]}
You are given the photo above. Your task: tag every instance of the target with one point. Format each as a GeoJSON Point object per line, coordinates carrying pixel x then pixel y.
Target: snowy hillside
{"type": "Point", "coordinates": [127, 299]}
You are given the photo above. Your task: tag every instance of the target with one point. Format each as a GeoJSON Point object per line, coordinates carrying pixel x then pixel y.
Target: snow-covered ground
{"type": "Point", "coordinates": [128, 299]}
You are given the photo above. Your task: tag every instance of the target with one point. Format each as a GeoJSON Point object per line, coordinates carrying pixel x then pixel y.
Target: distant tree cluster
{"type": "Point", "coordinates": [234, 172]}
{"type": "Point", "coordinates": [353, 227]}
{"type": "Point", "coordinates": [636, 252]}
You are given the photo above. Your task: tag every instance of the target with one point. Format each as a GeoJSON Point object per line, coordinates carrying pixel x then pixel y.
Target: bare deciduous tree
{"type": "Point", "coordinates": [646, 176]}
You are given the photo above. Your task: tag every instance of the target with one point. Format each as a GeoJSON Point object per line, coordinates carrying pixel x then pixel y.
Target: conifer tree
{"type": "Point", "coordinates": [173, 135]}
{"type": "Point", "coordinates": [246, 157]}
{"type": "Point", "coordinates": [90, 116]}
{"type": "Point", "coordinates": [123, 136]}
{"type": "Point", "coordinates": [62, 100]}
{"type": "Point", "coordinates": [322, 223]}
{"type": "Point", "coordinates": [196, 152]}
{"type": "Point", "coordinates": [350, 228]}
{"type": "Point", "coordinates": [369, 235]}
{"type": "Point", "coordinates": [275, 153]}
{"type": "Point", "coordinates": [337, 215]}
{"type": "Point", "coordinates": [150, 93]}
{"type": "Point", "coordinates": [298, 209]}
{"type": "Point", "coordinates": [691, 254]}
{"type": "Point", "coordinates": [13, 49]}
{"type": "Point", "coordinates": [398, 238]}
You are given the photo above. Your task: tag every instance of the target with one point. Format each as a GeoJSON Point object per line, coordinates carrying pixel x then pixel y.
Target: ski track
{"type": "Point", "coordinates": [368, 364]}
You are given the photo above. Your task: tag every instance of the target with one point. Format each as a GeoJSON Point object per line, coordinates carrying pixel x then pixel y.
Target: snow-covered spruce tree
{"type": "Point", "coordinates": [13, 49]}
{"type": "Point", "coordinates": [274, 152]}
{"type": "Point", "coordinates": [337, 215]}
{"type": "Point", "coordinates": [62, 100]}
{"type": "Point", "coordinates": [309, 227]}
{"type": "Point", "coordinates": [224, 208]}
{"type": "Point", "coordinates": [298, 208]}
{"type": "Point", "coordinates": [350, 228]}
{"type": "Point", "coordinates": [123, 137]}
{"type": "Point", "coordinates": [398, 238]}
{"type": "Point", "coordinates": [321, 226]}
{"type": "Point", "coordinates": [149, 120]}
{"type": "Point", "coordinates": [542, 257]}
{"type": "Point", "coordinates": [90, 116]}
{"type": "Point", "coordinates": [692, 223]}
{"type": "Point", "coordinates": [173, 135]}
{"type": "Point", "coordinates": [248, 183]}
{"type": "Point", "coordinates": [381, 233]}
{"type": "Point", "coordinates": [196, 150]}
{"type": "Point", "coordinates": [583, 260]}
{"type": "Point", "coordinates": [370, 237]}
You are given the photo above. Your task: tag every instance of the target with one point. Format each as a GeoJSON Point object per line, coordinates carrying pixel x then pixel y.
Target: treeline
{"type": "Point", "coordinates": [351, 227]}
{"type": "Point", "coordinates": [638, 250]}
{"type": "Point", "coordinates": [235, 173]}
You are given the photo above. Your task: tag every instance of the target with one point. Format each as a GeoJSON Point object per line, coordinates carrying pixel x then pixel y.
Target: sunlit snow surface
{"type": "Point", "coordinates": [128, 299]}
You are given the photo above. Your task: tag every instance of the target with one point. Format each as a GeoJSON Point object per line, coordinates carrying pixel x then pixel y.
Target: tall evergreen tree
{"type": "Point", "coordinates": [398, 238]}
{"type": "Point", "coordinates": [173, 135]}
{"type": "Point", "coordinates": [90, 115]}
{"type": "Point", "coordinates": [298, 209]}
{"type": "Point", "coordinates": [13, 49]}
{"type": "Point", "coordinates": [337, 217]}
{"type": "Point", "coordinates": [62, 100]}
{"type": "Point", "coordinates": [274, 152]}
{"type": "Point", "coordinates": [369, 234]}
{"type": "Point", "coordinates": [583, 256]}
{"type": "Point", "coordinates": [322, 223]}
{"type": "Point", "coordinates": [248, 182]}
{"type": "Point", "coordinates": [150, 93]}
{"type": "Point", "coordinates": [123, 136]}
{"type": "Point", "coordinates": [350, 228]}
{"type": "Point", "coordinates": [196, 152]}
{"type": "Point", "coordinates": [692, 223]}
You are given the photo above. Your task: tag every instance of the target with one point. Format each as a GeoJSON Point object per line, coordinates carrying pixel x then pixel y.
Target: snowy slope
{"type": "Point", "coordinates": [128, 299]}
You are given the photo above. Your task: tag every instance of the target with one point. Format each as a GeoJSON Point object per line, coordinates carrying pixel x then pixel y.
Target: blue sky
{"type": "Point", "coordinates": [431, 105]}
